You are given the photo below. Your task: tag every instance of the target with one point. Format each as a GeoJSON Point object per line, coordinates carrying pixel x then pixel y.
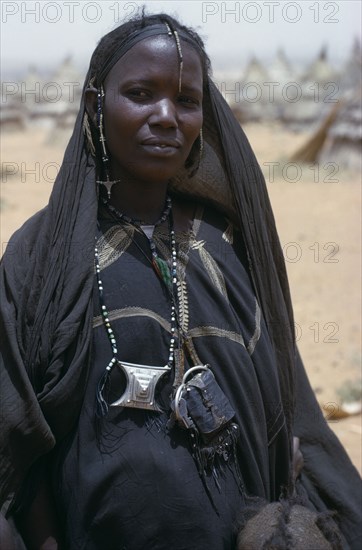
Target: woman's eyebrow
{"type": "Point", "coordinates": [191, 88]}
{"type": "Point", "coordinates": [138, 81]}
{"type": "Point", "coordinates": [151, 82]}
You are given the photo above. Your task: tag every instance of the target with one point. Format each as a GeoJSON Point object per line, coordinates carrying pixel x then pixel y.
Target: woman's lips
{"type": "Point", "coordinates": [162, 142]}
{"type": "Point", "coordinates": [161, 147]}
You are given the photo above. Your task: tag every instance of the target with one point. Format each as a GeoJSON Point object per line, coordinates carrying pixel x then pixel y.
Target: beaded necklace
{"type": "Point", "coordinates": [134, 221]}
{"type": "Point", "coordinates": [158, 264]}
{"type": "Point", "coordinates": [141, 379]}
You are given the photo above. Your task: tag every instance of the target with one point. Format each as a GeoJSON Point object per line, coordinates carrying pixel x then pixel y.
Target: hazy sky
{"type": "Point", "coordinates": [43, 33]}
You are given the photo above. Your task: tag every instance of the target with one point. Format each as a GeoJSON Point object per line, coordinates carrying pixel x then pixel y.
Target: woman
{"type": "Point", "coordinates": [150, 380]}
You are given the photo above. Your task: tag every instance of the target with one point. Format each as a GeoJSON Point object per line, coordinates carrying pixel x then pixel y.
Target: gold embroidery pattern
{"type": "Point", "coordinates": [255, 338]}
{"type": "Point", "coordinates": [196, 245]}
{"type": "Point", "coordinates": [215, 331]}
{"type": "Point", "coordinates": [183, 302]}
{"type": "Point", "coordinates": [228, 234]}
{"type": "Point", "coordinates": [184, 240]}
{"type": "Point", "coordinates": [113, 244]}
{"type": "Point", "coordinates": [211, 267]}
{"type": "Point", "coordinates": [196, 332]}
{"type": "Point", "coordinates": [126, 312]}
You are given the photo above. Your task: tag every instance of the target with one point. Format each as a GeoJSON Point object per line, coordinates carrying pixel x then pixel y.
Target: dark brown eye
{"type": "Point", "coordinates": [188, 100]}
{"type": "Point", "coordinates": [137, 93]}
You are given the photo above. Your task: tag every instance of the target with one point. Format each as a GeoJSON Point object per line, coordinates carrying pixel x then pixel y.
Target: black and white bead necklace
{"type": "Point", "coordinates": [167, 275]}
{"type": "Point", "coordinates": [123, 217]}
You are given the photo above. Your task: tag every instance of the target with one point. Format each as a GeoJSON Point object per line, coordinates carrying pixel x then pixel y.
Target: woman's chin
{"type": "Point", "coordinates": [160, 174]}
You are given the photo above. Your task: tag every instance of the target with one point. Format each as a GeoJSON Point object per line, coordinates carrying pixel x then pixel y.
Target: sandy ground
{"type": "Point", "coordinates": [319, 224]}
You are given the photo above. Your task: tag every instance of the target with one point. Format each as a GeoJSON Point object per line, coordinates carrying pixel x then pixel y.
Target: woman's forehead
{"type": "Point", "coordinates": [157, 55]}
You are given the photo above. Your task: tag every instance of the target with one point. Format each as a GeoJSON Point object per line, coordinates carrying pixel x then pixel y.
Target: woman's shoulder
{"type": "Point", "coordinates": [22, 243]}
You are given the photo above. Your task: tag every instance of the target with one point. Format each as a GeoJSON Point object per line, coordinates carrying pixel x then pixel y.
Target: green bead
{"type": "Point", "coordinates": [164, 270]}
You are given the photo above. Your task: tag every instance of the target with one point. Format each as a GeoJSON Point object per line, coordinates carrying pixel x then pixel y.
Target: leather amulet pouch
{"type": "Point", "coordinates": [201, 405]}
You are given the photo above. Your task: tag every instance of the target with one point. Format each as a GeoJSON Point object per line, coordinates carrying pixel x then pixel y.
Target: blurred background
{"type": "Point", "coordinates": [291, 72]}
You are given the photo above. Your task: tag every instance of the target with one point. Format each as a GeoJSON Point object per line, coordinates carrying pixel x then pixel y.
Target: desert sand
{"type": "Point", "coordinates": [319, 224]}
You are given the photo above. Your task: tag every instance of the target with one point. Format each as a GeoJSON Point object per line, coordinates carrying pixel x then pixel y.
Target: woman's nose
{"type": "Point", "coordinates": [164, 114]}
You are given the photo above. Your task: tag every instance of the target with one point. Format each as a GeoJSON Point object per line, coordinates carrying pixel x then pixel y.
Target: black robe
{"type": "Point", "coordinates": [129, 481]}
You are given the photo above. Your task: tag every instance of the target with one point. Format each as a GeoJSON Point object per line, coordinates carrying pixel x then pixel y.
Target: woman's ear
{"type": "Point", "coordinates": [91, 104]}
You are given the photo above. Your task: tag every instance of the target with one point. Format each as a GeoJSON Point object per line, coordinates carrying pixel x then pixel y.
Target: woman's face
{"type": "Point", "coordinates": [150, 126]}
